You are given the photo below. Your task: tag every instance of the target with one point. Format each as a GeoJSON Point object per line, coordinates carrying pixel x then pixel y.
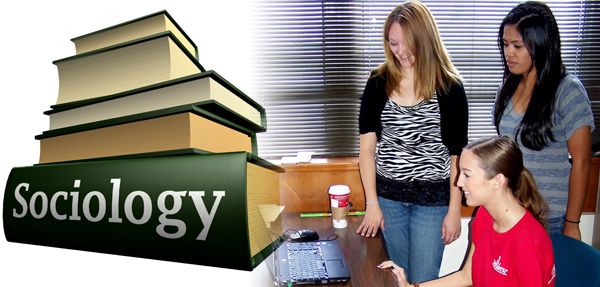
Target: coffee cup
{"type": "Point", "coordinates": [339, 196]}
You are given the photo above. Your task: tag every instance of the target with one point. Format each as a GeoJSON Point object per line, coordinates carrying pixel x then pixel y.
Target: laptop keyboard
{"type": "Point", "coordinates": [306, 261]}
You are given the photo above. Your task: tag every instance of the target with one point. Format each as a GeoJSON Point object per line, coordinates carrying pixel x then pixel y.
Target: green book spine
{"type": "Point", "coordinates": [184, 208]}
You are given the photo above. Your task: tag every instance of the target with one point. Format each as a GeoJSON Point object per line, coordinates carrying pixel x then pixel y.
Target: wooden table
{"type": "Point", "coordinates": [362, 254]}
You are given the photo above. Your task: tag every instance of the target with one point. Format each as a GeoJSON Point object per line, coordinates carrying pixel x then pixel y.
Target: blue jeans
{"type": "Point", "coordinates": [413, 237]}
{"type": "Point", "coordinates": [555, 225]}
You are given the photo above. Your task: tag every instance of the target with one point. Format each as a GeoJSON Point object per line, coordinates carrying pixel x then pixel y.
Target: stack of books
{"type": "Point", "coordinates": [148, 155]}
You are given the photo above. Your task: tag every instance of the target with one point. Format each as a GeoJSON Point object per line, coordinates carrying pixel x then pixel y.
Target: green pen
{"type": "Point", "coordinates": [329, 214]}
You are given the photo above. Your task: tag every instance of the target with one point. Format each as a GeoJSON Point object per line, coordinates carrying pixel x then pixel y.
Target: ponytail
{"type": "Point", "coordinates": [530, 198]}
{"type": "Point", "coordinates": [501, 155]}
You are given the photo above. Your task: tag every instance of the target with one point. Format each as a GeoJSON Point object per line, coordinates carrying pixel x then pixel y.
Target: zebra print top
{"type": "Point", "coordinates": [411, 143]}
{"type": "Point", "coordinates": [412, 163]}
{"type": "Point", "coordinates": [422, 180]}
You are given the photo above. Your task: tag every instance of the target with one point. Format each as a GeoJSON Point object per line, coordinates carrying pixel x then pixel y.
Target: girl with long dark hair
{"type": "Point", "coordinates": [546, 111]}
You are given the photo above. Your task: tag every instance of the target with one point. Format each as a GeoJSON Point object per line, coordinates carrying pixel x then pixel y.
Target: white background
{"type": "Point", "coordinates": [35, 33]}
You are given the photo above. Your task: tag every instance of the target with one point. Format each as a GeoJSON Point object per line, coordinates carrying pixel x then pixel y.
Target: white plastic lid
{"type": "Point", "coordinates": [339, 189]}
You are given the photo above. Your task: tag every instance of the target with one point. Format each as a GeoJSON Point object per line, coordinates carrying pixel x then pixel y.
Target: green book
{"type": "Point", "coordinates": [138, 28]}
{"type": "Point", "coordinates": [125, 66]}
{"type": "Point", "coordinates": [186, 126]}
{"type": "Point", "coordinates": [217, 95]}
{"type": "Point", "coordinates": [203, 209]}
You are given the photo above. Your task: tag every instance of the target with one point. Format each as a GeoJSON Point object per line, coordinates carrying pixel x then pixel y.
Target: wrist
{"type": "Point", "coordinates": [454, 207]}
{"type": "Point", "coordinates": [572, 222]}
{"type": "Point", "coordinates": [454, 211]}
{"type": "Point", "coordinates": [371, 206]}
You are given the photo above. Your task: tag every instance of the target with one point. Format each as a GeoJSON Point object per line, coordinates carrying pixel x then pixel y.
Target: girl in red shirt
{"type": "Point", "coordinates": [510, 246]}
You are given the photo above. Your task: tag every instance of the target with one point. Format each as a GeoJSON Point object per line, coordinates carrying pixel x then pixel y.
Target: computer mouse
{"type": "Point", "coordinates": [305, 235]}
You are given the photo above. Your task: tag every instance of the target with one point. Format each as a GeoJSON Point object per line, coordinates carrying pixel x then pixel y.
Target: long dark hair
{"type": "Point", "coordinates": [501, 155]}
{"type": "Point", "coordinates": [537, 26]}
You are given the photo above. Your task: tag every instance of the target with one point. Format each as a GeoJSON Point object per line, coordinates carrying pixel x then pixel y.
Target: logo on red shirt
{"type": "Point", "coordinates": [553, 274]}
{"type": "Point", "coordinates": [498, 268]}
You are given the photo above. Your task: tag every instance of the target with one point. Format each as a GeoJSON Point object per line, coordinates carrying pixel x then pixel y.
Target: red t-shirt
{"type": "Point", "coordinates": [522, 256]}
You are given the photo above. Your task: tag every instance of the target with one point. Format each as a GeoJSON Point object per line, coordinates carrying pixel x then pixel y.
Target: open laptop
{"type": "Point", "coordinates": [313, 262]}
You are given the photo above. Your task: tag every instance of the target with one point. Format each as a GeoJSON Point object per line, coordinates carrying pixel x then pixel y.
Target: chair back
{"type": "Point", "coordinates": [577, 263]}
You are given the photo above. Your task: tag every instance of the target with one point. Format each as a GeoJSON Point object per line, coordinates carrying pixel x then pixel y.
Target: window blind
{"type": "Point", "coordinates": [311, 60]}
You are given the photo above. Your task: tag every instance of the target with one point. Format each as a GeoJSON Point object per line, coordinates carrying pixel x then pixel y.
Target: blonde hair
{"type": "Point", "coordinates": [433, 69]}
{"type": "Point", "coordinates": [501, 155]}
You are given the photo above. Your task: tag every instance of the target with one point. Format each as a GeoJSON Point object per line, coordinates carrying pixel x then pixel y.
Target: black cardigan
{"type": "Point", "coordinates": [454, 113]}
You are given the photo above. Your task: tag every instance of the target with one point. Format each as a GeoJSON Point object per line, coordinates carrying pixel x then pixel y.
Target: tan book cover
{"type": "Point", "coordinates": [179, 131]}
{"type": "Point", "coordinates": [124, 67]}
{"type": "Point", "coordinates": [187, 90]}
{"type": "Point", "coordinates": [134, 29]}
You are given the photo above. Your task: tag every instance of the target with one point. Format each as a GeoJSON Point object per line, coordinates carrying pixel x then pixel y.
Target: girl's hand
{"type": "Point", "coordinates": [451, 228]}
{"type": "Point", "coordinates": [572, 230]}
{"type": "Point", "coordinates": [372, 220]}
{"type": "Point", "coordinates": [397, 271]}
